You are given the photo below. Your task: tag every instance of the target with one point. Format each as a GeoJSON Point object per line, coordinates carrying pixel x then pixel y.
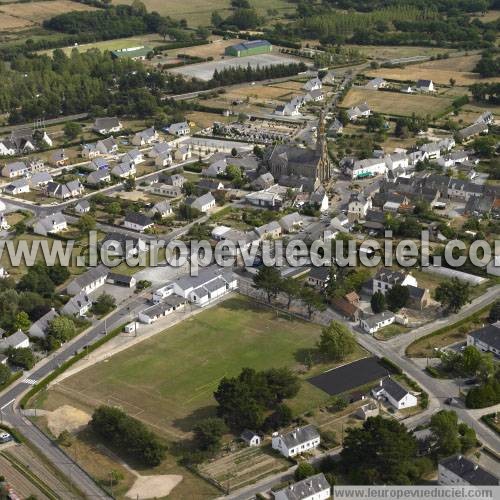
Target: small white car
{"type": "Point", "coordinates": [5, 437]}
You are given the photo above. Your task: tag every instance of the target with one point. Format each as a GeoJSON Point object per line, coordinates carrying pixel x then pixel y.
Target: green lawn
{"type": "Point", "coordinates": [168, 381]}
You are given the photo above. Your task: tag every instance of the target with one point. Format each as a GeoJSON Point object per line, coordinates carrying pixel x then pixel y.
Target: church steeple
{"type": "Point", "coordinates": [323, 170]}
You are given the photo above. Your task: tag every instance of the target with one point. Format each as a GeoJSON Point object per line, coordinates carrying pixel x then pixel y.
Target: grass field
{"type": "Point", "coordinates": [396, 103]}
{"type": "Point", "coordinates": [384, 52]}
{"type": "Point", "coordinates": [198, 12]}
{"type": "Point", "coordinates": [168, 381]}
{"type": "Point", "coordinates": [440, 71]}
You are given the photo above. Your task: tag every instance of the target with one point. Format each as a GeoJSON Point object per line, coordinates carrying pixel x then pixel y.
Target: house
{"type": "Point", "coordinates": [40, 180]}
{"type": "Point", "coordinates": [64, 191]}
{"type": "Point", "coordinates": [450, 160]}
{"type": "Point", "coordinates": [98, 163]}
{"type": "Point", "coordinates": [313, 84]}
{"type": "Point", "coordinates": [90, 151]}
{"type": "Point", "coordinates": [385, 279]}
{"type": "Point", "coordinates": [263, 181]}
{"type": "Point", "coordinates": [145, 137]}
{"type": "Point", "coordinates": [407, 89]}
{"type": "Point", "coordinates": [265, 198]}
{"type": "Point", "coordinates": [98, 177]}
{"type": "Point", "coordinates": [359, 111]}
{"type": "Point", "coordinates": [159, 149]}
{"type": "Point", "coordinates": [79, 305]}
{"type": "Point", "coordinates": [39, 328]}
{"type": "Point", "coordinates": [425, 86]}
{"type": "Point", "coordinates": [108, 146]}
{"type": "Point", "coordinates": [123, 245]}
{"type": "Point", "coordinates": [59, 158]}
{"type": "Point", "coordinates": [335, 128]}
{"type": "Point", "coordinates": [472, 130]}
{"type": "Point", "coordinates": [369, 167]}
{"type": "Point", "coordinates": [18, 186]}
{"type": "Point", "coordinates": [3, 273]}
{"type": "Point", "coordinates": [124, 170]}
{"type": "Point", "coordinates": [329, 78]}
{"type": "Point", "coordinates": [251, 438]}
{"type": "Point", "coordinates": [162, 309]}
{"type": "Point", "coordinates": [18, 340]}
{"type": "Point", "coordinates": [183, 152]}
{"type": "Point", "coordinates": [134, 157]}
{"type": "Point", "coordinates": [487, 117]}
{"type": "Point", "coordinates": [292, 223]}
{"type": "Point", "coordinates": [7, 147]}
{"type": "Point", "coordinates": [419, 298]}
{"type": "Point", "coordinates": [346, 308]}
{"type": "Point", "coordinates": [216, 168]}
{"type": "Point", "coordinates": [203, 203]}
{"type": "Point", "coordinates": [463, 190]}
{"type": "Point", "coordinates": [395, 393]}
{"type": "Point", "coordinates": [367, 410]}
{"type": "Point", "coordinates": [15, 169]}
{"type": "Point", "coordinates": [163, 160]}
{"type": "Point", "coordinates": [297, 441]}
{"type": "Point", "coordinates": [51, 224]}
{"type": "Point", "coordinates": [319, 276]}
{"type": "Point", "coordinates": [82, 207]}
{"type": "Point", "coordinates": [4, 223]}
{"type": "Point", "coordinates": [179, 129]}
{"type": "Point", "coordinates": [486, 339]}
{"type": "Point", "coordinates": [372, 324]}
{"type": "Point", "coordinates": [269, 231]}
{"type": "Point", "coordinates": [121, 280]}
{"type": "Point", "coordinates": [137, 222]}
{"type": "Point", "coordinates": [210, 185]}
{"type": "Point", "coordinates": [319, 199]}
{"type": "Point", "coordinates": [89, 281]}
{"type": "Point", "coordinates": [376, 83]}
{"type": "Point", "coordinates": [358, 207]}
{"type": "Point", "coordinates": [167, 190]}
{"type": "Point", "coordinates": [107, 125]}
{"type": "Point", "coordinates": [312, 488]}
{"type": "Point", "coordinates": [211, 283]}
{"type": "Point", "coordinates": [176, 180]}
{"type": "Point", "coordinates": [316, 95]}
{"type": "Point", "coordinates": [162, 208]}
{"type": "Point", "coordinates": [459, 470]}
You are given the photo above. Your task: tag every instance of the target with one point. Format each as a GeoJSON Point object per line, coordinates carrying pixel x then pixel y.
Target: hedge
{"type": "Point", "coordinates": [67, 364]}
{"type": "Point", "coordinates": [391, 365]}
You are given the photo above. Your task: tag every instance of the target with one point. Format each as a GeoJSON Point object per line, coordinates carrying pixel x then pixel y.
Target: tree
{"type": "Point", "coordinates": [312, 300]}
{"type": "Point", "coordinates": [86, 223]}
{"type": "Point", "coordinates": [494, 315]}
{"type": "Point", "coordinates": [22, 321]}
{"type": "Point", "coordinates": [61, 329]}
{"type": "Point", "coordinates": [336, 341]}
{"type": "Point", "coordinates": [303, 471]}
{"type": "Point", "coordinates": [382, 451]}
{"type": "Point", "coordinates": [452, 82]}
{"type": "Point", "coordinates": [292, 289]}
{"type": "Point", "coordinates": [104, 304]}
{"type": "Point", "coordinates": [72, 130]}
{"type": "Point", "coordinates": [444, 426]}
{"type": "Point", "coordinates": [208, 434]}
{"type": "Point", "coordinates": [216, 19]}
{"type": "Point", "coordinates": [129, 184]}
{"type": "Point", "coordinates": [22, 356]}
{"type": "Point", "coordinates": [58, 274]}
{"type": "Point", "coordinates": [378, 302]}
{"type": "Point", "coordinates": [268, 279]}
{"type": "Point", "coordinates": [453, 294]}
{"type": "Point", "coordinates": [281, 417]}
{"type": "Point", "coordinates": [4, 375]}
{"type": "Point", "coordinates": [397, 297]}
{"type": "Point", "coordinates": [471, 360]}
{"type": "Point", "coordinates": [187, 212]}
{"type": "Point", "coordinates": [468, 438]}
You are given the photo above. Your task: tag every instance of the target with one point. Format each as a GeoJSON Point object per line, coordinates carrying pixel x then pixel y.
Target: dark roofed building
{"type": "Point", "coordinates": [249, 48]}
{"type": "Point", "coordinates": [458, 470]}
{"type": "Point", "coordinates": [486, 339]}
{"type": "Point", "coordinates": [314, 487]}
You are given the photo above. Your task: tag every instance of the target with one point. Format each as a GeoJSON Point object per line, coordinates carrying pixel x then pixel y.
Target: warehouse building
{"type": "Point", "coordinates": [251, 48]}
{"type": "Point", "coordinates": [134, 53]}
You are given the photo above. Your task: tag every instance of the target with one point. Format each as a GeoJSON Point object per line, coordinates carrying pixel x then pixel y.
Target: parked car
{"type": "Point", "coordinates": [5, 437]}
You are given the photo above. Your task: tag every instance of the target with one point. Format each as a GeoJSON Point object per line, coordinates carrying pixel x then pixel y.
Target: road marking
{"type": "Point", "coordinates": [29, 381]}
{"type": "Point", "coordinates": [7, 404]}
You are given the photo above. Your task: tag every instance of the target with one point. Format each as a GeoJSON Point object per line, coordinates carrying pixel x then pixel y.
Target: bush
{"type": "Point", "coordinates": [483, 396]}
{"type": "Point", "coordinates": [303, 471]}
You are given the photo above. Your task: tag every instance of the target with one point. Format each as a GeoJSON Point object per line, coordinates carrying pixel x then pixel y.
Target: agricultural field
{"type": "Point", "coordinates": [33, 13]}
{"type": "Point", "coordinates": [396, 103]}
{"type": "Point", "coordinates": [440, 71]}
{"type": "Point", "coordinates": [198, 12]}
{"type": "Point", "coordinates": [383, 52]}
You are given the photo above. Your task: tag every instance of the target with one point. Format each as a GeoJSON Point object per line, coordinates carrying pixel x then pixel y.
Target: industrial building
{"type": "Point", "coordinates": [251, 48]}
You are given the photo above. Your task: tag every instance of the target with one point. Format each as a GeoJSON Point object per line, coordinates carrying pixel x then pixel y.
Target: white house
{"type": "Point", "coordinates": [124, 170]}
{"type": "Point", "coordinates": [203, 203]}
{"type": "Point", "coordinates": [19, 186]}
{"type": "Point", "coordinates": [107, 125]}
{"type": "Point", "coordinates": [134, 157]}
{"type": "Point", "coordinates": [425, 86]}
{"type": "Point", "coordinates": [82, 207]}
{"type": "Point", "coordinates": [297, 441]}
{"type": "Point", "coordinates": [179, 129]}
{"type": "Point", "coordinates": [4, 223]}
{"type": "Point", "coordinates": [167, 190]}
{"type": "Point", "coordinates": [459, 470]}
{"type": "Point", "coordinates": [163, 160]}
{"type": "Point", "coordinates": [312, 488]}
{"type": "Point", "coordinates": [359, 111]}
{"type": "Point", "coordinates": [161, 309]}
{"type": "Point", "coordinates": [17, 340]}
{"type": "Point", "coordinates": [100, 176]}
{"type": "Point", "coordinates": [137, 222]}
{"type": "Point", "coordinates": [145, 137]}
{"type": "Point", "coordinates": [486, 339]}
{"type": "Point", "coordinates": [251, 438]}
{"type": "Point", "coordinates": [313, 84]}
{"type": "Point", "coordinates": [89, 281]}
{"type": "Point", "coordinates": [108, 146]}
{"type": "Point", "coordinates": [39, 328]}
{"type": "Point", "coordinates": [372, 324]}
{"type": "Point", "coordinates": [358, 206]}
{"type": "Point", "coordinates": [40, 180]}
{"type": "Point", "coordinates": [163, 208]}
{"type": "Point", "coordinates": [162, 293]}
{"type": "Point", "coordinates": [395, 393]}
{"type": "Point", "coordinates": [385, 279]}
{"type": "Point", "coordinates": [183, 152]}
{"type": "Point", "coordinates": [78, 305]}
{"type": "Point", "coordinates": [15, 169]}
{"type": "Point", "coordinates": [367, 168]}
{"type": "Point", "coordinates": [376, 83]}
{"type": "Point", "coordinates": [159, 149]}
{"type": "Point", "coordinates": [51, 224]}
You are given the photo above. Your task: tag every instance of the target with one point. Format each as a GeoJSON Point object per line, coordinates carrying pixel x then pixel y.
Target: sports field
{"type": "Point", "coordinates": [397, 103]}
{"type": "Point", "coordinates": [168, 381]}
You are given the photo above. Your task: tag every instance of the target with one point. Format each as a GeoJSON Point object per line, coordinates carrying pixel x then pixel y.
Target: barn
{"type": "Point", "coordinates": [251, 48]}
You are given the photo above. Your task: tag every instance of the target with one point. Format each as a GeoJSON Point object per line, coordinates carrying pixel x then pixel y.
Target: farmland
{"type": "Point", "coordinates": [198, 12]}
{"type": "Point", "coordinates": [440, 71]}
{"type": "Point", "coordinates": [397, 103]}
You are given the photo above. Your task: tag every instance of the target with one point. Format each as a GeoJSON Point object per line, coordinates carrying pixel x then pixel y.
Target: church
{"type": "Point", "coordinates": [293, 167]}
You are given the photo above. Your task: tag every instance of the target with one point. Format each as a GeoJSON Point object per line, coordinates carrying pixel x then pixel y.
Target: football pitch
{"type": "Point", "coordinates": [168, 380]}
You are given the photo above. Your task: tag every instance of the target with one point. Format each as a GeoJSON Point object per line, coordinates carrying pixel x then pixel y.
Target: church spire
{"type": "Point", "coordinates": [323, 171]}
